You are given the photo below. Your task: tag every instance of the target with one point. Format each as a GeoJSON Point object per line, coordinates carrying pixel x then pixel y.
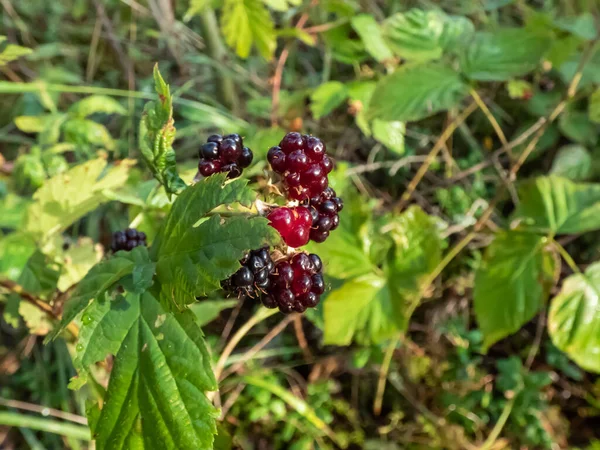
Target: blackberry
{"type": "Point", "coordinates": [296, 284]}
{"type": "Point", "coordinates": [128, 240]}
{"type": "Point", "coordinates": [253, 277]}
{"type": "Point", "coordinates": [302, 163]}
{"type": "Point", "coordinates": [293, 224]}
{"type": "Point", "coordinates": [324, 210]}
{"type": "Point", "coordinates": [224, 154]}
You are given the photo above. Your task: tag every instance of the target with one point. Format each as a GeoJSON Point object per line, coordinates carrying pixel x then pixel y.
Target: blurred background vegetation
{"type": "Point", "coordinates": [74, 76]}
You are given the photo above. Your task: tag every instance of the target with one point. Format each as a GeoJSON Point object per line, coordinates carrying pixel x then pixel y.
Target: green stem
{"type": "Point", "coordinates": [565, 255]}
{"type": "Point", "coordinates": [491, 440]}
{"type": "Point", "coordinates": [13, 419]}
{"type": "Point", "coordinates": [383, 372]}
{"type": "Point", "coordinates": [216, 49]}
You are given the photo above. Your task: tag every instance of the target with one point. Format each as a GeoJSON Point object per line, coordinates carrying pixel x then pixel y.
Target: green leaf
{"type": "Point", "coordinates": [583, 26]}
{"type": "Point", "coordinates": [97, 282]}
{"type": "Point", "coordinates": [573, 162]}
{"type": "Point", "coordinates": [208, 310]}
{"type": "Point", "coordinates": [247, 22]}
{"type": "Point", "coordinates": [433, 88]}
{"type": "Point", "coordinates": [512, 284]}
{"type": "Point", "coordinates": [327, 97]}
{"type": "Point", "coordinates": [576, 125]}
{"type": "Point", "coordinates": [161, 371]}
{"type": "Point", "coordinates": [33, 124]}
{"type": "Point", "coordinates": [297, 33]}
{"type": "Point", "coordinates": [96, 104]}
{"type": "Point", "coordinates": [87, 132]}
{"type": "Point", "coordinates": [574, 318]}
{"type": "Point", "coordinates": [371, 34]}
{"type": "Point", "coordinates": [15, 250]}
{"type": "Point", "coordinates": [70, 195]}
{"type": "Point", "coordinates": [556, 205]}
{"type": "Point", "coordinates": [344, 45]}
{"type": "Point", "coordinates": [390, 134]}
{"type": "Point", "coordinates": [13, 209]}
{"type": "Point", "coordinates": [195, 8]}
{"type": "Point", "coordinates": [594, 107]}
{"type": "Point", "coordinates": [77, 261]}
{"type": "Point", "coordinates": [156, 136]}
{"type": "Point", "coordinates": [591, 71]}
{"type": "Point", "coordinates": [10, 52]}
{"type": "Point", "coordinates": [282, 5]}
{"type": "Point", "coordinates": [503, 54]}
{"type": "Point", "coordinates": [195, 252]}
{"type": "Point", "coordinates": [424, 35]}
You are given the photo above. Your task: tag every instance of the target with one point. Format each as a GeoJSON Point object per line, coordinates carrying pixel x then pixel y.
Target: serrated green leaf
{"type": "Point", "coordinates": [87, 132]}
{"type": "Point", "coordinates": [556, 205]}
{"type": "Point", "coordinates": [96, 104]}
{"type": "Point", "coordinates": [248, 22]}
{"type": "Point", "coordinates": [371, 34]}
{"type": "Point", "coordinates": [512, 284]}
{"type": "Point", "coordinates": [419, 35]}
{"type": "Point", "coordinates": [97, 282]}
{"type": "Point", "coordinates": [433, 88]}
{"type": "Point", "coordinates": [594, 107]}
{"type": "Point", "coordinates": [156, 136]}
{"type": "Point", "coordinates": [11, 52]}
{"type": "Point", "coordinates": [327, 97]}
{"type": "Point", "coordinates": [155, 397]}
{"type": "Point", "coordinates": [574, 318]}
{"type": "Point", "coordinates": [390, 134]}
{"type": "Point", "coordinates": [573, 162]}
{"type": "Point", "coordinates": [70, 195]}
{"type": "Point", "coordinates": [504, 54]}
{"type": "Point", "coordinates": [195, 253]}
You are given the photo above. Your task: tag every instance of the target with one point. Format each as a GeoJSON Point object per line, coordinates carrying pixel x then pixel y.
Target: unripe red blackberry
{"type": "Point", "coordinates": [224, 154]}
{"type": "Point", "coordinates": [293, 224]}
{"type": "Point", "coordinates": [128, 240]}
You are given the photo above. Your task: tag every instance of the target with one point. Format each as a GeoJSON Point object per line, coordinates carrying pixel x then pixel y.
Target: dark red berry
{"type": "Point", "coordinates": [318, 185]}
{"type": "Point", "coordinates": [327, 164]}
{"type": "Point", "coordinates": [215, 138]}
{"type": "Point", "coordinates": [318, 284]}
{"type": "Point", "coordinates": [317, 264]}
{"type": "Point", "coordinates": [285, 296]}
{"type": "Point", "coordinates": [245, 158]}
{"type": "Point", "coordinates": [234, 137]}
{"type": "Point", "coordinates": [324, 223]}
{"type": "Point", "coordinates": [301, 284]}
{"type": "Point", "coordinates": [297, 161]}
{"type": "Point", "coordinates": [339, 204]}
{"type": "Point", "coordinates": [268, 302]}
{"type": "Point", "coordinates": [243, 277]}
{"type": "Point", "coordinates": [304, 216]}
{"type": "Point", "coordinates": [282, 220]}
{"type": "Point", "coordinates": [319, 236]}
{"type": "Point", "coordinates": [310, 299]}
{"type": "Point", "coordinates": [284, 273]}
{"type": "Point", "coordinates": [210, 150]}
{"type": "Point", "coordinates": [277, 159]}
{"type": "Point", "coordinates": [299, 306]}
{"type": "Point", "coordinates": [207, 168]}
{"type": "Point", "coordinates": [131, 233]}
{"type": "Point", "coordinates": [328, 193]}
{"type": "Point", "coordinates": [230, 151]}
{"type": "Point", "coordinates": [298, 236]}
{"type": "Point", "coordinates": [301, 263]}
{"type": "Point", "coordinates": [312, 174]}
{"type": "Point", "coordinates": [315, 149]}
{"type": "Point", "coordinates": [292, 179]}
{"type": "Point", "coordinates": [292, 141]}
{"type": "Point", "coordinates": [335, 222]}
{"type": "Point", "coordinates": [328, 207]}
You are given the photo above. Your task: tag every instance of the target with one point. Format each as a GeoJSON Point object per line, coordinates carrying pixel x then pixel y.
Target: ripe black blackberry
{"type": "Point", "coordinates": [324, 209]}
{"type": "Point", "coordinates": [296, 284]}
{"type": "Point", "coordinates": [128, 240]}
{"type": "Point", "coordinates": [253, 277]}
{"type": "Point", "coordinates": [302, 162]}
{"type": "Point", "coordinates": [224, 154]}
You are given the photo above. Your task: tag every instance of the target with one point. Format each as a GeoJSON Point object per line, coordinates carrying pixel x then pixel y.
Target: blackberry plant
{"type": "Point", "coordinates": [224, 154]}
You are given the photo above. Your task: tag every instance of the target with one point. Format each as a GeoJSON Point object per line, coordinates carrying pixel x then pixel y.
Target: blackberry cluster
{"type": "Point", "coordinates": [303, 164]}
{"type": "Point", "coordinates": [324, 210]}
{"type": "Point", "coordinates": [296, 284]}
{"type": "Point", "coordinates": [128, 240]}
{"type": "Point", "coordinates": [253, 276]}
{"type": "Point", "coordinates": [224, 154]}
{"type": "Point", "coordinates": [293, 224]}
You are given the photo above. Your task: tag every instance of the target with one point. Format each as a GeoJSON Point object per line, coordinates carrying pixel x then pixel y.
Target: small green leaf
{"type": "Point", "coordinates": [156, 136]}
{"type": "Point", "coordinates": [594, 107]}
{"type": "Point", "coordinates": [573, 162]}
{"type": "Point", "coordinates": [33, 124]}
{"type": "Point", "coordinates": [247, 22]}
{"type": "Point", "coordinates": [15, 250]}
{"type": "Point", "coordinates": [96, 104]}
{"type": "Point", "coordinates": [415, 92]}
{"type": "Point", "coordinates": [68, 196]}
{"type": "Point", "coordinates": [390, 134]}
{"type": "Point", "coordinates": [504, 54]}
{"type": "Point", "coordinates": [419, 35]}
{"type": "Point", "coordinates": [583, 26]}
{"type": "Point", "coordinates": [87, 132]}
{"type": "Point", "coordinates": [370, 33]}
{"type": "Point", "coordinates": [518, 88]}
{"type": "Point", "coordinates": [156, 393]}
{"type": "Point", "coordinates": [574, 318]}
{"type": "Point", "coordinates": [512, 284]}
{"type": "Point", "coordinates": [327, 97]}
{"type": "Point", "coordinates": [559, 206]}
{"type": "Point", "coordinates": [195, 253]}
{"type": "Point", "coordinates": [11, 52]}
{"type": "Point", "coordinates": [578, 127]}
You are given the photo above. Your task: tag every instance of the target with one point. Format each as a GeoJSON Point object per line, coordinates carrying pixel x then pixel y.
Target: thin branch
{"type": "Point", "coordinates": [383, 373]}
{"type": "Point", "coordinates": [43, 410]}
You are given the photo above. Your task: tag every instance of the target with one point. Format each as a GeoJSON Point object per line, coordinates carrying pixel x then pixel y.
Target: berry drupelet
{"type": "Point", "coordinates": [128, 240]}
{"type": "Point", "coordinates": [224, 154]}
{"type": "Point", "coordinates": [296, 284]}
{"type": "Point", "coordinates": [324, 209]}
{"type": "Point", "coordinates": [293, 224]}
{"type": "Point", "coordinates": [253, 276]}
{"type": "Point", "coordinates": [302, 163]}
